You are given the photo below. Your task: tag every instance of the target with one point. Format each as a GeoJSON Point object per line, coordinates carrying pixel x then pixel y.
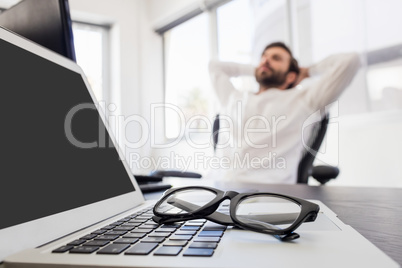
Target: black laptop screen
{"type": "Point", "coordinates": [48, 166]}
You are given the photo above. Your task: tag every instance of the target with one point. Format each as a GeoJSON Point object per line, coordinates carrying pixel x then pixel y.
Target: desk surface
{"type": "Point", "coordinates": [376, 213]}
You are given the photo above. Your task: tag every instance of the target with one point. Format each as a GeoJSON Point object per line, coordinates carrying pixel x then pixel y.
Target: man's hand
{"type": "Point", "coordinates": [304, 73]}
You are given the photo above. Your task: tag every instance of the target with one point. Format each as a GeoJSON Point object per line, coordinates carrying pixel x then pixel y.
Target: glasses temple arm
{"type": "Point", "coordinates": [215, 216]}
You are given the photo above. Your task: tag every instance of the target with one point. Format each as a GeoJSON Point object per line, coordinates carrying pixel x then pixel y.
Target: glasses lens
{"type": "Point", "coordinates": [185, 201]}
{"type": "Point", "coordinates": [267, 212]}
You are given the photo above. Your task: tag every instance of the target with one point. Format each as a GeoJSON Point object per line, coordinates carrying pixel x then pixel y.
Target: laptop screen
{"type": "Point", "coordinates": [57, 154]}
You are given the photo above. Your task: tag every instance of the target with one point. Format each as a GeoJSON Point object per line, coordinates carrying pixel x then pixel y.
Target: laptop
{"type": "Point", "coordinates": [68, 198]}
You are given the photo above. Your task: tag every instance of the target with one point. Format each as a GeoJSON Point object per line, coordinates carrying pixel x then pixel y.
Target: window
{"type": "Point", "coordinates": [384, 55]}
{"type": "Point", "coordinates": [367, 28]}
{"type": "Point", "coordinates": [234, 27]}
{"type": "Point", "coordinates": [186, 75]}
{"type": "Point", "coordinates": [188, 48]}
{"type": "Point", "coordinates": [235, 24]}
{"type": "Point", "coordinates": [91, 48]}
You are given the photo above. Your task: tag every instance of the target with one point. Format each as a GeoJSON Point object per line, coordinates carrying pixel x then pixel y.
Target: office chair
{"type": "Point", "coordinates": [305, 169]}
{"type": "Point", "coordinates": [322, 173]}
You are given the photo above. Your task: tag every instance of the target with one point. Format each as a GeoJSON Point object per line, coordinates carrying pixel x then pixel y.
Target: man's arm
{"type": "Point", "coordinates": [220, 74]}
{"type": "Point", "coordinates": [303, 73]}
{"type": "Point", "coordinates": [336, 72]}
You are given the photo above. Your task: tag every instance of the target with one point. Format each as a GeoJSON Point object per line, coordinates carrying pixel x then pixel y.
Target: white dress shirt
{"type": "Point", "coordinates": [260, 137]}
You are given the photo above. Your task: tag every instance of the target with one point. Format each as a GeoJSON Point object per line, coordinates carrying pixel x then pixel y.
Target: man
{"type": "Point", "coordinates": [261, 132]}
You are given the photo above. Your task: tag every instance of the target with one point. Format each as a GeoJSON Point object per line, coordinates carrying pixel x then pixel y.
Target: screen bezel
{"type": "Point", "coordinates": [40, 231]}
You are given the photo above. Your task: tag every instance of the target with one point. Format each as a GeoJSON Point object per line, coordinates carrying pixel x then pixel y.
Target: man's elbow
{"type": "Point", "coordinates": [353, 61]}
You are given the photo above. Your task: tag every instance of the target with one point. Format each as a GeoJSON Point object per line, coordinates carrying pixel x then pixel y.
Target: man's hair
{"type": "Point", "coordinates": [294, 65]}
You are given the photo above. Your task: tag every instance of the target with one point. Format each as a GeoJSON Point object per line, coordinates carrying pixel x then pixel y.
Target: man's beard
{"type": "Point", "coordinates": [275, 79]}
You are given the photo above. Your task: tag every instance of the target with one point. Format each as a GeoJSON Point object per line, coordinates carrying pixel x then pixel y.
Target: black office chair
{"type": "Point", "coordinates": [322, 173]}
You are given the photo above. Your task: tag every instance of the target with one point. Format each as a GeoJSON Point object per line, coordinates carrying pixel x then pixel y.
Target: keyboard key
{"type": "Point", "coordinates": [214, 228]}
{"type": "Point", "coordinates": [194, 223]}
{"type": "Point", "coordinates": [96, 243]}
{"type": "Point", "coordinates": [173, 225]}
{"type": "Point", "coordinates": [224, 211]}
{"type": "Point", "coordinates": [109, 227]}
{"type": "Point", "coordinates": [85, 250]}
{"type": "Point", "coordinates": [149, 225]}
{"type": "Point", "coordinates": [180, 232]}
{"type": "Point", "coordinates": [124, 219]}
{"type": "Point", "coordinates": [151, 221]}
{"type": "Point", "coordinates": [199, 252]}
{"type": "Point", "coordinates": [168, 251]}
{"type": "Point", "coordinates": [207, 239]}
{"type": "Point", "coordinates": [98, 232]}
{"type": "Point", "coordinates": [211, 233]}
{"type": "Point", "coordinates": [165, 230]}
{"type": "Point", "coordinates": [159, 234]}
{"type": "Point", "coordinates": [179, 243]}
{"type": "Point", "coordinates": [119, 233]}
{"type": "Point", "coordinates": [126, 241]}
{"type": "Point", "coordinates": [76, 242]}
{"type": "Point", "coordinates": [145, 231]}
{"type": "Point", "coordinates": [146, 214]}
{"type": "Point", "coordinates": [124, 228]}
{"type": "Point", "coordinates": [203, 245]}
{"type": "Point", "coordinates": [62, 249]}
{"type": "Point", "coordinates": [141, 249]}
{"type": "Point", "coordinates": [134, 235]}
{"type": "Point", "coordinates": [136, 221]}
{"type": "Point", "coordinates": [153, 239]}
{"type": "Point", "coordinates": [181, 237]}
{"type": "Point", "coordinates": [142, 218]}
{"type": "Point", "coordinates": [113, 249]}
{"type": "Point", "coordinates": [107, 237]}
{"type": "Point", "coordinates": [133, 224]}
{"type": "Point", "coordinates": [190, 228]}
{"type": "Point", "coordinates": [89, 236]}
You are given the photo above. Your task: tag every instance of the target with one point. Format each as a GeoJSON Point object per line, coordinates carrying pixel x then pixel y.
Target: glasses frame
{"type": "Point", "coordinates": [308, 213]}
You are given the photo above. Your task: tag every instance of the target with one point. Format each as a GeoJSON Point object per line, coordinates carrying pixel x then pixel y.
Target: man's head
{"type": "Point", "coordinates": [277, 67]}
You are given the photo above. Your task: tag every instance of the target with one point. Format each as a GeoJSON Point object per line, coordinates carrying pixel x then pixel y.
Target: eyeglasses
{"type": "Point", "coordinates": [268, 213]}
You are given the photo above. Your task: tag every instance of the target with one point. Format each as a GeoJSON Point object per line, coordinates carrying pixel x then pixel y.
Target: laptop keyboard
{"type": "Point", "coordinates": [138, 234]}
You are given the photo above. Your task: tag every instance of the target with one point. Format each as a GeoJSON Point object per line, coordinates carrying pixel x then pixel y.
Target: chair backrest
{"type": "Point", "coordinates": [215, 131]}
{"type": "Point", "coordinates": [313, 145]}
